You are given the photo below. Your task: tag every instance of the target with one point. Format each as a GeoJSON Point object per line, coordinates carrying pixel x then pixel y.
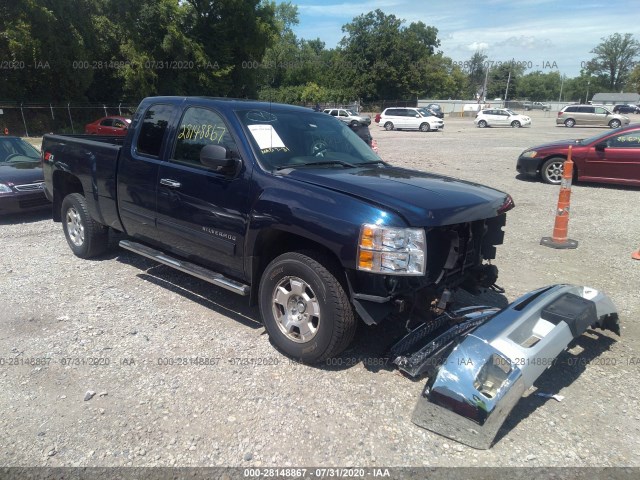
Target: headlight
{"type": "Point", "coordinates": [391, 251]}
{"type": "Point", "coordinates": [5, 188]}
{"type": "Point", "coordinates": [529, 154]}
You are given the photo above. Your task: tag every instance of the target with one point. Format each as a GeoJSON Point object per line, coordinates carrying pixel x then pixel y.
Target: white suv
{"type": "Point", "coordinates": [348, 116]}
{"type": "Point", "coordinates": [402, 118]}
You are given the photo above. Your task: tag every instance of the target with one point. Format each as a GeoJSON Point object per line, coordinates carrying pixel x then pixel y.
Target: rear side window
{"type": "Point", "coordinates": [107, 122]}
{"type": "Point", "coordinates": [200, 127]}
{"type": "Point", "coordinates": [586, 110]}
{"type": "Point", "coordinates": [571, 109]}
{"type": "Point", "coordinates": [153, 128]}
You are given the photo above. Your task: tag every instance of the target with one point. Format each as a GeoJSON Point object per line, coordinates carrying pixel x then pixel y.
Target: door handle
{"type": "Point", "coordinates": [167, 182]}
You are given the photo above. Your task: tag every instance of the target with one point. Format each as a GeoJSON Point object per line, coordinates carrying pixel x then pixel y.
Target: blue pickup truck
{"type": "Point", "coordinates": [280, 203]}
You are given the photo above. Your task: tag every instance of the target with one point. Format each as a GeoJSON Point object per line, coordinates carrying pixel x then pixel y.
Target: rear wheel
{"type": "Point", "coordinates": [569, 122]}
{"type": "Point", "coordinates": [482, 124]}
{"type": "Point", "coordinates": [516, 124]}
{"type": "Point", "coordinates": [615, 123]}
{"type": "Point", "coordinates": [305, 308]}
{"type": "Point", "coordinates": [86, 237]}
{"type": "Point", "coordinates": [388, 126]}
{"type": "Point", "coordinates": [551, 170]}
{"type": "Point", "coordinates": [425, 127]}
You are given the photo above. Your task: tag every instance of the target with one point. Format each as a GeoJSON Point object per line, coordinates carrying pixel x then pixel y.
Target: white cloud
{"type": "Point", "coordinates": [478, 46]}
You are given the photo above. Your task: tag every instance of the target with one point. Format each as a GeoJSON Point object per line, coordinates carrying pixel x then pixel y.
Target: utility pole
{"type": "Point", "coordinates": [561, 85]}
{"type": "Point", "coordinates": [506, 92]}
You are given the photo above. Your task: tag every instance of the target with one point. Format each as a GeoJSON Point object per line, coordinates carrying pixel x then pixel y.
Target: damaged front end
{"type": "Point", "coordinates": [480, 360]}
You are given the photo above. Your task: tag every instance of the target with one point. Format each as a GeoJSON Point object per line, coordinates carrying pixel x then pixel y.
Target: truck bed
{"type": "Point", "coordinates": [94, 161]}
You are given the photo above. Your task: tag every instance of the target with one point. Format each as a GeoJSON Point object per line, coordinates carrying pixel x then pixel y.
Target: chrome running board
{"type": "Point", "coordinates": [187, 267]}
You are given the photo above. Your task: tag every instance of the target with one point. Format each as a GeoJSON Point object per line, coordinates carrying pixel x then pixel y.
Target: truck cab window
{"type": "Point", "coordinates": [198, 128]}
{"type": "Point", "coordinates": [153, 128]}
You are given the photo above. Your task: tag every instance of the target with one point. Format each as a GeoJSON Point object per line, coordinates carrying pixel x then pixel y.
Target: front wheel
{"type": "Point", "coordinates": [551, 171]}
{"type": "Point", "coordinates": [425, 127]}
{"type": "Point", "coordinates": [615, 123]}
{"type": "Point", "coordinates": [388, 126]}
{"type": "Point", "coordinates": [515, 124]}
{"type": "Point", "coordinates": [304, 307]}
{"type": "Point", "coordinates": [482, 124]}
{"type": "Point", "coordinates": [86, 237]}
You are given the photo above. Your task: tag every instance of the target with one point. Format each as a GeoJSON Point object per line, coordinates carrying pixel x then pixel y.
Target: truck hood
{"type": "Point", "coordinates": [423, 199]}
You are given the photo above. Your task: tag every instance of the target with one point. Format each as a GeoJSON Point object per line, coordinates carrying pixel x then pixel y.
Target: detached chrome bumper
{"type": "Point", "coordinates": [476, 380]}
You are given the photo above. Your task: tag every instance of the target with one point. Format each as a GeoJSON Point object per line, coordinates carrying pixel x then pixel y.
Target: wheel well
{"type": "Point", "coordinates": [63, 184]}
{"type": "Point", "coordinates": [271, 243]}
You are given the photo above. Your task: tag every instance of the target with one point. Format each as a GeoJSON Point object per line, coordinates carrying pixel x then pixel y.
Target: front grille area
{"type": "Point", "coordinates": [30, 187]}
{"type": "Point", "coordinates": [32, 202]}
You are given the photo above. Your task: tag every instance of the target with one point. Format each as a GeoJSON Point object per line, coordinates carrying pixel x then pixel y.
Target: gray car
{"type": "Point", "coordinates": [590, 115]}
{"type": "Point", "coordinates": [348, 116]}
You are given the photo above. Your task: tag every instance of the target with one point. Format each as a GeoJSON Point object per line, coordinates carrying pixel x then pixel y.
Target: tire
{"type": "Point", "coordinates": [425, 127]}
{"type": "Point", "coordinates": [615, 123]}
{"type": "Point", "coordinates": [86, 237]}
{"type": "Point", "coordinates": [569, 122]}
{"type": "Point", "coordinates": [516, 124]}
{"type": "Point", "coordinates": [482, 124]}
{"type": "Point", "coordinates": [551, 171]}
{"type": "Point", "coordinates": [355, 123]}
{"type": "Point", "coordinates": [295, 284]}
{"type": "Point", "coordinates": [388, 126]}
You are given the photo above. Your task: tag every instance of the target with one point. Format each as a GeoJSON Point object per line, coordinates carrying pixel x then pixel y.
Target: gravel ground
{"type": "Point", "coordinates": [110, 326]}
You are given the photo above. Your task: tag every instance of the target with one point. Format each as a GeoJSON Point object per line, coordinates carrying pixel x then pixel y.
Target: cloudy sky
{"type": "Point", "coordinates": [547, 34]}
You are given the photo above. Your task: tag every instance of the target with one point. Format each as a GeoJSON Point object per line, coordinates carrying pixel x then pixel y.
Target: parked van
{"type": "Point", "coordinates": [397, 118]}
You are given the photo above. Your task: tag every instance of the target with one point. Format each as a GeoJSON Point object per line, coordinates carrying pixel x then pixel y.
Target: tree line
{"type": "Point", "coordinates": [121, 51]}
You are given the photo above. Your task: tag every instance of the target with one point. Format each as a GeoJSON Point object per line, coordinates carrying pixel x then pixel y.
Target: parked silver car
{"type": "Point", "coordinates": [590, 115]}
{"type": "Point", "coordinates": [348, 116]}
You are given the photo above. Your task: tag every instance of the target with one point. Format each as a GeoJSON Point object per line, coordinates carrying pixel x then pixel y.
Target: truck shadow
{"type": "Point", "coordinates": [209, 296]}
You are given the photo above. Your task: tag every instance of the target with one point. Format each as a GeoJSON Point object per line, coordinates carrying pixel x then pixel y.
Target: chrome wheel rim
{"type": "Point", "coordinates": [296, 309]}
{"type": "Point", "coordinates": [554, 172]}
{"type": "Point", "coordinates": [482, 124]}
{"type": "Point", "coordinates": [75, 229]}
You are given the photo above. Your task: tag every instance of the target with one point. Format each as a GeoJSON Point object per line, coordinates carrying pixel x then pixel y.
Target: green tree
{"type": "Point", "coordinates": [501, 75]}
{"type": "Point", "coordinates": [380, 54]}
{"type": "Point", "coordinates": [45, 40]}
{"type": "Point", "coordinates": [614, 58]}
{"type": "Point", "coordinates": [538, 86]}
{"type": "Point", "coordinates": [476, 69]}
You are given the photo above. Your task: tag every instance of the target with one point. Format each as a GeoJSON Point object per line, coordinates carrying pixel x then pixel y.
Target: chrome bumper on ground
{"type": "Point", "coordinates": [479, 368]}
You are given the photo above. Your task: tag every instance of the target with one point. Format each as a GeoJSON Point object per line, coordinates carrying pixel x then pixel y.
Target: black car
{"type": "Point", "coordinates": [21, 177]}
{"type": "Point", "coordinates": [436, 109]}
{"type": "Point", "coordinates": [626, 109]}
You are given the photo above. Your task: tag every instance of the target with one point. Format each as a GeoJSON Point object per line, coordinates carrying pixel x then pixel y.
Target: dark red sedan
{"type": "Point", "coordinates": [610, 157]}
{"type": "Point", "coordinates": [108, 126]}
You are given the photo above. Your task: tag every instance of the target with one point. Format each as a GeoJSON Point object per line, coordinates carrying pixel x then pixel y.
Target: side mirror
{"type": "Point", "coordinates": [215, 157]}
{"type": "Point", "coordinates": [600, 147]}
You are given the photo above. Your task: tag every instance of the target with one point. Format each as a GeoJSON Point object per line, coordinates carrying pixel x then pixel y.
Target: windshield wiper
{"type": "Point", "coordinates": [375, 162]}
{"type": "Point", "coordinates": [314, 164]}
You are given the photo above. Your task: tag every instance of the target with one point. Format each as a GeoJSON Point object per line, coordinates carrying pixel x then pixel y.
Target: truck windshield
{"type": "Point", "coordinates": [292, 138]}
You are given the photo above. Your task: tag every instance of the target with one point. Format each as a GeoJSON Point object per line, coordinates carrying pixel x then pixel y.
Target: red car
{"type": "Point", "coordinates": [108, 126]}
{"type": "Point", "coordinates": [610, 157]}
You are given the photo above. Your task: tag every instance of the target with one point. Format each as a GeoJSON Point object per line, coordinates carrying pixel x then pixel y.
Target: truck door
{"type": "Point", "coordinates": [202, 213]}
{"type": "Point", "coordinates": [138, 171]}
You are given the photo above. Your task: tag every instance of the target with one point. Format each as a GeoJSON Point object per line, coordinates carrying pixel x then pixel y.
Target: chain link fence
{"type": "Point", "coordinates": [34, 120]}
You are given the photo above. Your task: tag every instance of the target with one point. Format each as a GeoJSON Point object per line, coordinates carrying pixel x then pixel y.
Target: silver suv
{"type": "Point", "coordinates": [536, 106]}
{"type": "Point", "coordinates": [348, 116]}
{"type": "Point", "coordinates": [590, 115]}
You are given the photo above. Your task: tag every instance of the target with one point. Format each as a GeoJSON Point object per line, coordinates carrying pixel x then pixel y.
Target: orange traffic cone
{"type": "Point", "coordinates": [561, 226]}
{"type": "Point", "coordinates": [636, 255]}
